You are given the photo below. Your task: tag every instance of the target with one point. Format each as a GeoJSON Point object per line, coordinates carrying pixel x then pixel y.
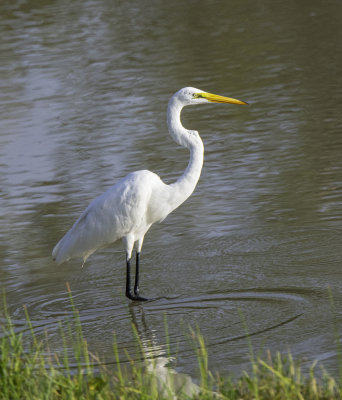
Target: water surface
{"type": "Point", "coordinates": [84, 88]}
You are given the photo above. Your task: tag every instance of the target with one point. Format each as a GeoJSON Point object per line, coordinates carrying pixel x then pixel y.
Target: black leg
{"type": "Point", "coordinates": [128, 279]}
{"type": "Point", "coordinates": [136, 284]}
{"type": "Point", "coordinates": [129, 293]}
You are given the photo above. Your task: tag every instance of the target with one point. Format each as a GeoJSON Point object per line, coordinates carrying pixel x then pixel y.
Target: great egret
{"type": "Point", "coordinates": [128, 209]}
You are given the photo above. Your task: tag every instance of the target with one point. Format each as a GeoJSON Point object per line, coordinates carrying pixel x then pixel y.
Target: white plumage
{"type": "Point", "coordinates": [129, 208]}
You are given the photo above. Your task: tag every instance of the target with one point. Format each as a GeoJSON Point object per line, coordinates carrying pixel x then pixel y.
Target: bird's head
{"type": "Point", "coordinates": [190, 95]}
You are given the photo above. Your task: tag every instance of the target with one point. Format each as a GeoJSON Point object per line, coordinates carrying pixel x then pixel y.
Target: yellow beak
{"type": "Point", "coordinates": [220, 99]}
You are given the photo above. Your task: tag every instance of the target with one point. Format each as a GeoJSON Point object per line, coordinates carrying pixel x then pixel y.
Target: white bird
{"type": "Point", "coordinates": [129, 208]}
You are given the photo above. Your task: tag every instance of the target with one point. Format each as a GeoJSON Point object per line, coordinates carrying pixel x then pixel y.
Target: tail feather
{"type": "Point", "coordinates": [70, 246]}
{"type": "Point", "coordinates": [95, 228]}
{"type": "Point", "coordinates": [60, 251]}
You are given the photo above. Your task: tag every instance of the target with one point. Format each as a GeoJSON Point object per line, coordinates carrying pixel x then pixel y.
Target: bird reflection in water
{"type": "Point", "coordinates": [167, 380]}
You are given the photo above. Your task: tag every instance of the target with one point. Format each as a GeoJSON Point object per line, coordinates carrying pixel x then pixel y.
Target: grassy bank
{"type": "Point", "coordinates": [30, 370]}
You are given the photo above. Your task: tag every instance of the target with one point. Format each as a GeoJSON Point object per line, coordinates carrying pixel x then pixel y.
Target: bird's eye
{"type": "Point", "coordinates": [195, 95]}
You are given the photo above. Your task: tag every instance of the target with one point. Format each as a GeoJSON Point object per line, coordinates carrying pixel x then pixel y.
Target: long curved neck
{"type": "Point", "coordinates": [186, 183]}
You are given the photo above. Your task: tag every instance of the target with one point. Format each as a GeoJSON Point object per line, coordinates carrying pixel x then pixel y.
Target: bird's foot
{"type": "Point", "coordinates": [135, 297]}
